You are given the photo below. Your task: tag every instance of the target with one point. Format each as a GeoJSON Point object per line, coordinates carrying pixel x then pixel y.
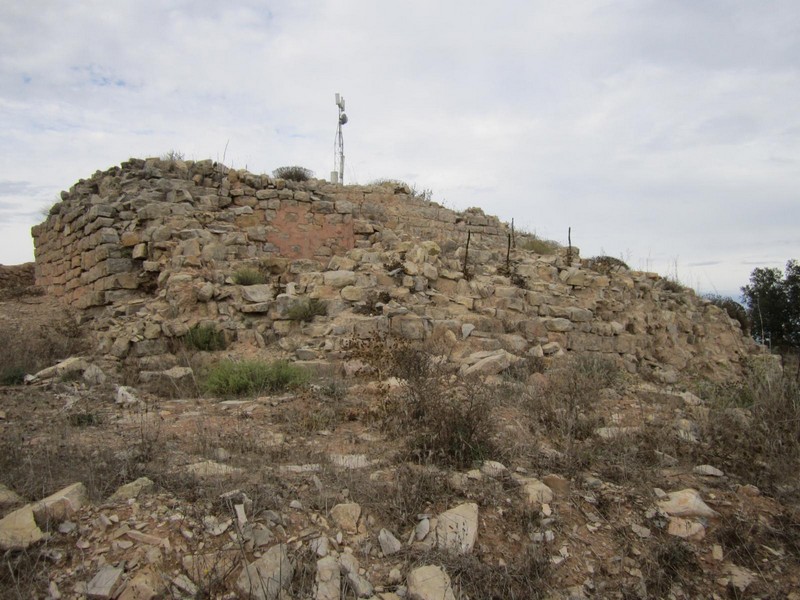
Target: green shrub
{"type": "Point", "coordinates": [13, 375]}
{"type": "Point", "coordinates": [249, 276]}
{"type": "Point", "coordinates": [672, 285]}
{"type": "Point", "coordinates": [293, 173]}
{"type": "Point", "coordinates": [735, 310]}
{"type": "Point", "coordinates": [239, 378]}
{"type": "Point", "coordinates": [305, 310]}
{"type": "Point", "coordinates": [205, 337]}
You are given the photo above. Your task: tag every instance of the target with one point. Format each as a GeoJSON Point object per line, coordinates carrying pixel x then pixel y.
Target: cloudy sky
{"type": "Point", "coordinates": [663, 132]}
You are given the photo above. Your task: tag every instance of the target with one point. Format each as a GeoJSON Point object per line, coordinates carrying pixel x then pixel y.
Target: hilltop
{"type": "Point", "coordinates": [251, 385]}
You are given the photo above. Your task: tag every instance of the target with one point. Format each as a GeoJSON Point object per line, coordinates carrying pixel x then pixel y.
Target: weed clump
{"type": "Point", "coordinates": [305, 310]}
{"type": "Point", "coordinates": [23, 351]}
{"type": "Point", "coordinates": [293, 173]}
{"type": "Point", "coordinates": [532, 243]}
{"type": "Point", "coordinates": [753, 429]}
{"type": "Point", "coordinates": [249, 276]}
{"type": "Point", "coordinates": [205, 337]}
{"type": "Point", "coordinates": [234, 378]}
{"type": "Point", "coordinates": [447, 419]}
{"type": "Point", "coordinates": [607, 264]}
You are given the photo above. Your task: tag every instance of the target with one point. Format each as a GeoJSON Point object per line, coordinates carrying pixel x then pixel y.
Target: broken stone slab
{"type": "Point", "coordinates": [259, 293]}
{"type": "Point", "coordinates": [18, 529]}
{"type": "Point", "coordinates": [429, 583]}
{"type": "Point", "coordinates": [686, 503]}
{"type": "Point", "coordinates": [133, 489]}
{"type": "Point", "coordinates": [708, 471]}
{"type": "Point", "coordinates": [457, 528]}
{"type": "Point", "coordinates": [264, 578]}
{"type": "Point", "coordinates": [389, 543]}
{"type": "Point", "coordinates": [359, 584]}
{"type": "Point", "coordinates": [61, 505]}
{"type": "Point", "coordinates": [349, 461]}
{"type": "Point", "coordinates": [686, 529]}
{"type": "Point", "coordinates": [68, 367]}
{"type": "Point", "coordinates": [103, 584]}
{"type": "Point", "coordinates": [209, 468]}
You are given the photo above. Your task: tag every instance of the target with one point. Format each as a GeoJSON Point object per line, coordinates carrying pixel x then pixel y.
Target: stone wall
{"type": "Point", "coordinates": [153, 248]}
{"type": "Point", "coordinates": [111, 231]}
{"type": "Point", "coordinates": [16, 276]}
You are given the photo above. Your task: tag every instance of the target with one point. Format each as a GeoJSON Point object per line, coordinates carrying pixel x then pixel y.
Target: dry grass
{"type": "Point", "coordinates": [26, 352]}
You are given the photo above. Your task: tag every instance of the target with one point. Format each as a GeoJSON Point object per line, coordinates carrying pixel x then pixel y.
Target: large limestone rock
{"type": "Point", "coordinates": [61, 505]}
{"type": "Point", "coordinates": [18, 530]}
{"type": "Point", "coordinates": [263, 579]}
{"type": "Point", "coordinates": [457, 528]}
{"type": "Point", "coordinates": [429, 583]}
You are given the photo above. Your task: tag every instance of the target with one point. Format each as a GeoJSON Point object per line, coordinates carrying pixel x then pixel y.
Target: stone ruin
{"type": "Point", "coordinates": [151, 248]}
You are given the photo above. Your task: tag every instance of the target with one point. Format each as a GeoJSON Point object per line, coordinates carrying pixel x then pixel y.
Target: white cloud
{"type": "Point", "coordinates": [662, 131]}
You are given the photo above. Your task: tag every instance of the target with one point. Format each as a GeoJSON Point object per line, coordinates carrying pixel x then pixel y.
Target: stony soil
{"type": "Point", "coordinates": [315, 476]}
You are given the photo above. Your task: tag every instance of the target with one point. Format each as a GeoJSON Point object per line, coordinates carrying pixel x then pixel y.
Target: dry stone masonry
{"type": "Point", "coordinates": [152, 247]}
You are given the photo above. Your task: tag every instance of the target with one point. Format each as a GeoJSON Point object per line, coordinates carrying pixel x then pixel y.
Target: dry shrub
{"type": "Point", "coordinates": [564, 406]}
{"type": "Point", "coordinates": [25, 352]}
{"type": "Point", "coordinates": [753, 430]}
{"type": "Point", "coordinates": [446, 417]}
{"type": "Point", "coordinates": [523, 578]}
{"type": "Point", "coordinates": [671, 563]}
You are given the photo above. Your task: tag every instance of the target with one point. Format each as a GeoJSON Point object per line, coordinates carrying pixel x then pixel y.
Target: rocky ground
{"type": "Point", "coordinates": [557, 478]}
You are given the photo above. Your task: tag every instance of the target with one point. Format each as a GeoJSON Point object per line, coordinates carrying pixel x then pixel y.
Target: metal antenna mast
{"type": "Point", "coordinates": [337, 175]}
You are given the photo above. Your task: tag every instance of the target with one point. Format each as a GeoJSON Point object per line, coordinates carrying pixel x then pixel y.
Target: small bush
{"type": "Point", "coordinates": [735, 310]}
{"type": "Point", "coordinates": [607, 264]}
{"type": "Point", "coordinates": [13, 375]}
{"type": "Point", "coordinates": [672, 285]}
{"type": "Point", "coordinates": [448, 422]}
{"type": "Point", "coordinates": [753, 429]}
{"type": "Point", "coordinates": [293, 173]}
{"type": "Point", "coordinates": [232, 378]}
{"type": "Point", "coordinates": [306, 310]}
{"type": "Point", "coordinates": [249, 276]}
{"type": "Point", "coordinates": [532, 243]}
{"type": "Point", "coordinates": [205, 337]}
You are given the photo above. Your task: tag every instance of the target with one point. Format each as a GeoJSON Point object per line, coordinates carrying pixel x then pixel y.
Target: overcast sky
{"type": "Point", "coordinates": [665, 133]}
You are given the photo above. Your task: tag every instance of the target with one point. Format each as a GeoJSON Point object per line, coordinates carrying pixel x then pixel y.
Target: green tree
{"type": "Point", "coordinates": [773, 305]}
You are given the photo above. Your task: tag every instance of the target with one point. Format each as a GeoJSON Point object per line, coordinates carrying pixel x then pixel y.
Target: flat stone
{"type": "Point", "coordinates": [257, 294]}
{"type": "Point", "coordinates": [209, 468]}
{"type": "Point", "coordinates": [457, 528]}
{"type": "Point", "coordinates": [708, 471]}
{"type": "Point", "coordinates": [132, 489]}
{"type": "Point", "coordinates": [429, 583]}
{"type": "Point", "coordinates": [686, 503]}
{"type": "Point", "coordinates": [103, 584]}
